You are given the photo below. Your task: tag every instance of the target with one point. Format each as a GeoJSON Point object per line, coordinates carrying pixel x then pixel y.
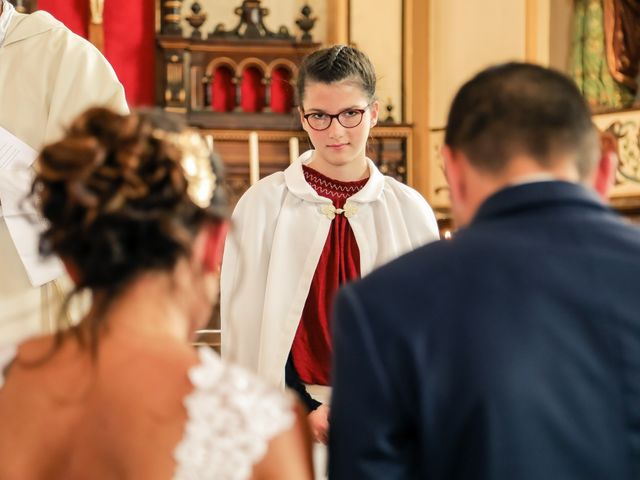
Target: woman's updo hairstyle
{"type": "Point", "coordinates": [335, 64]}
{"type": "Point", "coordinates": [116, 193]}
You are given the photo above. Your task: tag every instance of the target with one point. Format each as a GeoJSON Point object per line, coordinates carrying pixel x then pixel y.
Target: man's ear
{"type": "Point", "coordinates": [607, 165]}
{"type": "Point", "coordinates": [375, 112]}
{"type": "Point", "coordinates": [454, 174]}
{"type": "Point", "coordinates": [605, 174]}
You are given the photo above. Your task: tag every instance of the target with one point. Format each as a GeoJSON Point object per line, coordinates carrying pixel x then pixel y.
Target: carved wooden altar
{"type": "Point", "coordinates": [207, 76]}
{"type": "Point", "coordinates": [388, 147]}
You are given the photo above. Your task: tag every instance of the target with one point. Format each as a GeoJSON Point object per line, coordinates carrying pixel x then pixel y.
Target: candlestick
{"type": "Point", "coordinates": [254, 158]}
{"type": "Point", "coordinates": [294, 149]}
{"type": "Point", "coordinates": [209, 140]}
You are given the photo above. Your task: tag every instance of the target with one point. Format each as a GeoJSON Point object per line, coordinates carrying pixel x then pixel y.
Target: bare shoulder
{"type": "Point", "coordinates": [158, 371]}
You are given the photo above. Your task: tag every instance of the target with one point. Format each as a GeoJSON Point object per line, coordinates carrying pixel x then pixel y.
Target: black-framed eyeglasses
{"type": "Point", "coordinates": [349, 118]}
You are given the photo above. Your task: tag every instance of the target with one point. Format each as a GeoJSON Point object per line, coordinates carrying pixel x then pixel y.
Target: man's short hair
{"type": "Point", "coordinates": [521, 109]}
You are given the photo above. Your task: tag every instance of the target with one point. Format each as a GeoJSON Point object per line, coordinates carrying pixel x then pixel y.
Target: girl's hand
{"type": "Point", "coordinates": [319, 424]}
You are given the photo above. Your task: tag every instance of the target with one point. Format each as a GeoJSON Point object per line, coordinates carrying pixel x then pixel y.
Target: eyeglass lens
{"type": "Point", "coordinates": [348, 119]}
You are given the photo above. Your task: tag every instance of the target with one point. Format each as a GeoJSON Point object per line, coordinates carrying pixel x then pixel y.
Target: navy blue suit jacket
{"type": "Point", "coordinates": [511, 352]}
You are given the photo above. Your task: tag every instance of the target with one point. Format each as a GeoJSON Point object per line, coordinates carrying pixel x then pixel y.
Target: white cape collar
{"type": "Point", "coordinates": [298, 186]}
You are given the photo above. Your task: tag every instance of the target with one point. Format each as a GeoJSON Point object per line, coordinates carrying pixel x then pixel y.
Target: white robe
{"type": "Point", "coordinates": [279, 229]}
{"type": "Point", "coordinates": [48, 75]}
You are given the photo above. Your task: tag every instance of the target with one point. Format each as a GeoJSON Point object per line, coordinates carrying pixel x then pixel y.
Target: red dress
{"type": "Point", "coordinates": [339, 263]}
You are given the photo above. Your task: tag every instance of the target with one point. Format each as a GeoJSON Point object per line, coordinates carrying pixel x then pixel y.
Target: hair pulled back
{"type": "Point", "coordinates": [115, 195]}
{"type": "Point", "coordinates": [335, 64]}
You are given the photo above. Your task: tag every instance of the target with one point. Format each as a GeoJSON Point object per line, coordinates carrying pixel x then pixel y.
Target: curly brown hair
{"type": "Point", "coordinates": [115, 195]}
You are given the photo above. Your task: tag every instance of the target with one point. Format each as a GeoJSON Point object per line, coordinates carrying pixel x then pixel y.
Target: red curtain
{"type": "Point", "coordinates": [281, 90]}
{"type": "Point", "coordinates": [73, 13]}
{"type": "Point", "coordinates": [129, 37]}
{"type": "Point", "coordinates": [223, 90]}
{"type": "Point", "coordinates": [252, 90]}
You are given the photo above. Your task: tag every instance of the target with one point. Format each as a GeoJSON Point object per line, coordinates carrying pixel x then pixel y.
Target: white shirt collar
{"type": "Point", "coordinates": [5, 19]}
{"type": "Point", "coordinates": [533, 178]}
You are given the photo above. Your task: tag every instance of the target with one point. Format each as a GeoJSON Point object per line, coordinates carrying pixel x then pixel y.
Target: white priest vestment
{"type": "Point", "coordinates": [48, 76]}
{"type": "Point", "coordinates": [279, 229]}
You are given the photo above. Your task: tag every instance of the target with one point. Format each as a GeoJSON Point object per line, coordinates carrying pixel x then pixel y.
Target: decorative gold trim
{"type": "Point", "coordinates": [243, 135]}
{"type": "Point", "coordinates": [169, 43]}
{"type": "Point", "coordinates": [282, 62]}
{"type": "Point", "coordinates": [387, 131]}
{"type": "Point", "coordinates": [218, 61]}
{"type": "Point", "coordinates": [252, 61]}
{"type": "Point", "coordinates": [285, 135]}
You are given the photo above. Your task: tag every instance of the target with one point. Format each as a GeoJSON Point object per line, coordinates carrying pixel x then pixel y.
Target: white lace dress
{"type": "Point", "coordinates": [232, 416]}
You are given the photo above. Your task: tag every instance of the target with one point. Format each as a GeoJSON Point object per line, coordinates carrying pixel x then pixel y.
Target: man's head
{"type": "Point", "coordinates": [512, 121]}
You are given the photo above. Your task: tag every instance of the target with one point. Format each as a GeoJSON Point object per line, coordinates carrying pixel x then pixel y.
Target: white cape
{"type": "Point", "coordinates": [279, 229]}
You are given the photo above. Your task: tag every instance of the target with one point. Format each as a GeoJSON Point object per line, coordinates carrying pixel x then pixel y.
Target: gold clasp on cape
{"type": "Point", "coordinates": [330, 211]}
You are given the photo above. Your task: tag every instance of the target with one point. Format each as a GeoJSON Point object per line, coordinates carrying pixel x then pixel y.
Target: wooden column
{"type": "Point", "coordinates": [170, 17]}
{"type": "Point", "coordinates": [537, 31]}
{"type": "Point", "coordinates": [416, 91]}
{"type": "Point", "coordinates": [96, 24]}
{"type": "Point", "coordinates": [338, 22]}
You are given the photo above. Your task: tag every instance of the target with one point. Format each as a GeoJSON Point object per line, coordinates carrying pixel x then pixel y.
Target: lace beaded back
{"type": "Point", "coordinates": [231, 418]}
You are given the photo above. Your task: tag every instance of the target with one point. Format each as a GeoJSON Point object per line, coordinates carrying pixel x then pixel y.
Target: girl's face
{"type": "Point", "coordinates": [338, 145]}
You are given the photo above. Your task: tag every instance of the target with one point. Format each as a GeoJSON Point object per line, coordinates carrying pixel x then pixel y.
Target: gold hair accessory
{"type": "Point", "coordinates": [196, 164]}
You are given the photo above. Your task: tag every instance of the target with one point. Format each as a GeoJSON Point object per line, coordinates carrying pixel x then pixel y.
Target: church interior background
{"type": "Point", "coordinates": [229, 66]}
{"type": "Point", "coordinates": [184, 56]}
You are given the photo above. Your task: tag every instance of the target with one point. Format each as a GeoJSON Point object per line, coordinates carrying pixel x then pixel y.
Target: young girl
{"type": "Point", "coordinates": [298, 235]}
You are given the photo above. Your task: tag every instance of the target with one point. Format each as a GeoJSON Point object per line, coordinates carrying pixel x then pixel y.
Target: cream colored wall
{"type": "Point", "coordinates": [281, 12]}
{"type": "Point", "coordinates": [319, 10]}
{"type": "Point", "coordinates": [466, 36]}
{"type": "Point", "coordinates": [376, 28]}
{"type": "Point", "coordinates": [560, 33]}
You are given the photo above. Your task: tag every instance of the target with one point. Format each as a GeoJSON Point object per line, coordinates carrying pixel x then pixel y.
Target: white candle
{"type": "Point", "coordinates": [254, 158]}
{"type": "Point", "coordinates": [294, 149]}
{"type": "Point", "coordinates": [209, 139]}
